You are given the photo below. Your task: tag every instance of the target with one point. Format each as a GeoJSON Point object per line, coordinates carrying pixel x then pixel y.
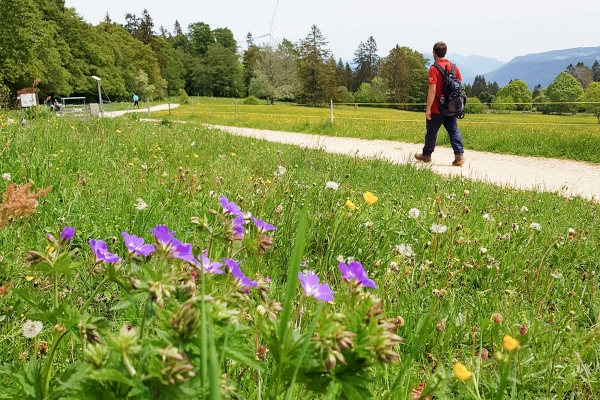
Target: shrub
{"type": "Point", "coordinates": [474, 106]}
{"type": "Point", "coordinates": [252, 101]}
{"type": "Point", "coordinates": [183, 97]}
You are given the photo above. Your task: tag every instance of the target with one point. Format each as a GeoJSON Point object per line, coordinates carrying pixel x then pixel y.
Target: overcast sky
{"type": "Point", "coordinates": [499, 29]}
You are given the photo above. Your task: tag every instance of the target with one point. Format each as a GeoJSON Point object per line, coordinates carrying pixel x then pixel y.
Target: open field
{"type": "Point", "coordinates": [575, 137]}
{"type": "Point", "coordinates": [478, 263]}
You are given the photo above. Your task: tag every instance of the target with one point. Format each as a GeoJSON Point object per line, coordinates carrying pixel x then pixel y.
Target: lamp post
{"type": "Point", "coordinates": [99, 95]}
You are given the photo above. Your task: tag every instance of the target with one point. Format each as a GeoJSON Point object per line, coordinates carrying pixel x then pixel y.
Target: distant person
{"type": "Point", "coordinates": [136, 101]}
{"type": "Point", "coordinates": [434, 118]}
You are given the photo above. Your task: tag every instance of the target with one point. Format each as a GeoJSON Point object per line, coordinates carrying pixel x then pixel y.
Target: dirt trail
{"type": "Point", "coordinates": [160, 107]}
{"type": "Point", "coordinates": [568, 178]}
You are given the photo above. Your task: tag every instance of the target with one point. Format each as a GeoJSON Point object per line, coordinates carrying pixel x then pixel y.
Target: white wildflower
{"type": "Point", "coordinates": [350, 259]}
{"type": "Point", "coordinates": [32, 328]}
{"type": "Point", "coordinates": [571, 231]}
{"type": "Point", "coordinates": [482, 250]}
{"type": "Point", "coordinates": [524, 209]}
{"type": "Point", "coordinates": [405, 249]}
{"type": "Point", "coordinates": [193, 144]}
{"type": "Point", "coordinates": [535, 226]}
{"type": "Point", "coordinates": [144, 166]}
{"type": "Point", "coordinates": [164, 175]}
{"type": "Point", "coordinates": [487, 217]}
{"type": "Point", "coordinates": [414, 213]}
{"type": "Point", "coordinates": [466, 192]}
{"type": "Point", "coordinates": [340, 259]}
{"type": "Point", "coordinates": [6, 176]}
{"type": "Point", "coordinates": [140, 205]}
{"type": "Point", "coordinates": [451, 196]}
{"type": "Point", "coordinates": [281, 170]}
{"type": "Point", "coordinates": [435, 228]}
{"type": "Point", "coordinates": [261, 310]}
{"type": "Point", "coordinates": [332, 185]}
{"type": "Point", "coordinates": [516, 227]}
{"type": "Point", "coordinates": [368, 224]}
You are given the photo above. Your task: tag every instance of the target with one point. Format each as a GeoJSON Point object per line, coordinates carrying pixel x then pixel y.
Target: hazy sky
{"type": "Point", "coordinates": [499, 29]}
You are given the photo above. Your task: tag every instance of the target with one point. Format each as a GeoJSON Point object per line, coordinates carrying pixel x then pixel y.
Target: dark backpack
{"type": "Point", "coordinates": [453, 99]}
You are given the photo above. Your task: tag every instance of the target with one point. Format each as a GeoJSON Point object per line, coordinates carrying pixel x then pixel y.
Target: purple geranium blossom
{"type": "Point", "coordinates": [66, 234]}
{"type": "Point", "coordinates": [356, 271]}
{"type": "Point", "coordinates": [237, 273]}
{"type": "Point", "coordinates": [262, 225]}
{"type": "Point", "coordinates": [163, 236]}
{"type": "Point", "coordinates": [238, 227]}
{"type": "Point", "coordinates": [210, 267]}
{"type": "Point", "coordinates": [312, 288]}
{"type": "Point", "coordinates": [229, 207]}
{"type": "Point", "coordinates": [182, 251]}
{"type": "Point", "coordinates": [100, 250]}
{"type": "Point", "coordinates": [136, 245]}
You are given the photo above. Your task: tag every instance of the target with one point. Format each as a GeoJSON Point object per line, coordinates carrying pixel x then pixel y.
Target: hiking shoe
{"type": "Point", "coordinates": [458, 160]}
{"type": "Point", "coordinates": [422, 157]}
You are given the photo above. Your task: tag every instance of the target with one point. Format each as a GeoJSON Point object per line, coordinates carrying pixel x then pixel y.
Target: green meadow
{"type": "Point", "coordinates": [483, 292]}
{"type": "Point", "coordinates": [574, 137]}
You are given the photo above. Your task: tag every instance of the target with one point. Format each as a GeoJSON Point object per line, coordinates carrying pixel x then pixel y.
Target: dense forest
{"type": "Point", "coordinates": [49, 46]}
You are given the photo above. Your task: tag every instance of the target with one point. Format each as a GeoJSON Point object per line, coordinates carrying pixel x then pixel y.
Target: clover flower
{"type": "Point", "coordinates": [405, 250]}
{"type": "Point", "coordinates": [535, 226]}
{"type": "Point", "coordinates": [436, 228]}
{"type": "Point", "coordinates": [262, 225]}
{"type": "Point", "coordinates": [312, 288]}
{"type": "Point", "coordinates": [355, 271]}
{"type": "Point", "coordinates": [236, 272]}
{"type": "Point", "coordinates": [281, 170]}
{"type": "Point", "coordinates": [101, 252]}
{"type": "Point", "coordinates": [414, 213]}
{"type": "Point", "coordinates": [229, 207]}
{"type": "Point", "coordinates": [6, 176]}
{"type": "Point", "coordinates": [32, 328]}
{"type": "Point", "coordinates": [208, 266]}
{"type": "Point", "coordinates": [66, 234]}
{"type": "Point", "coordinates": [136, 245]}
{"type": "Point", "coordinates": [140, 204]}
{"type": "Point", "coordinates": [332, 185]}
{"type": "Point", "coordinates": [370, 198]}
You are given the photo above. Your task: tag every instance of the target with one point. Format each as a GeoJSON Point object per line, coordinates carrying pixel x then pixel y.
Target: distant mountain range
{"type": "Point", "coordinates": [540, 68]}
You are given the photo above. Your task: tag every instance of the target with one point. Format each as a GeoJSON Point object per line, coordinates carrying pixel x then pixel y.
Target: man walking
{"type": "Point", "coordinates": [434, 119]}
{"type": "Point", "coordinates": [136, 101]}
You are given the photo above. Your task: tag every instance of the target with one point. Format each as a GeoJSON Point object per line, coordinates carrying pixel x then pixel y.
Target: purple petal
{"type": "Point", "coordinates": [234, 268]}
{"type": "Point", "coordinates": [229, 207]}
{"type": "Point", "coordinates": [136, 245]}
{"type": "Point", "coordinates": [312, 288]}
{"type": "Point", "coordinates": [262, 225]}
{"type": "Point", "coordinates": [163, 236]}
{"type": "Point", "coordinates": [66, 234]}
{"type": "Point", "coordinates": [210, 267]}
{"type": "Point", "coordinates": [181, 251]}
{"type": "Point", "coordinates": [101, 252]}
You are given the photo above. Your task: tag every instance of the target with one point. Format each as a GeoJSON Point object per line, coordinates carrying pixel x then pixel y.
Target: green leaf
{"type": "Point", "coordinates": [242, 358]}
{"type": "Point", "coordinates": [129, 301]}
{"type": "Point", "coordinates": [355, 391]}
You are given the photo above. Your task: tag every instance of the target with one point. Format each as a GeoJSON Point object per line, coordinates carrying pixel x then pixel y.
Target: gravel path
{"type": "Point", "coordinates": [142, 109]}
{"type": "Point", "coordinates": [567, 178]}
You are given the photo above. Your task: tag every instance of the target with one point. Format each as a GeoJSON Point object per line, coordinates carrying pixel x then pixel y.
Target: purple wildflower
{"type": "Point", "coordinates": [238, 227]}
{"type": "Point", "coordinates": [182, 251]}
{"type": "Point", "coordinates": [136, 245]}
{"type": "Point", "coordinates": [262, 225]}
{"type": "Point", "coordinates": [312, 287]}
{"type": "Point", "coordinates": [238, 275]}
{"type": "Point", "coordinates": [163, 236]}
{"type": "Point", "coordinates": [229, 207]}
{"type": "Point", "coordinates": [100, 250]}
{"type": "Point", "coordinates": [210, 267]}
{"type": "Point", "coordinates": [66, 234]}
{"type": "Point", "coordinates": [356, 271]}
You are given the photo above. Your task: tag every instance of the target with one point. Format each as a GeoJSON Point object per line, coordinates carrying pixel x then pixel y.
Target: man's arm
{"type": "Point", "coordinates": [430, 99]}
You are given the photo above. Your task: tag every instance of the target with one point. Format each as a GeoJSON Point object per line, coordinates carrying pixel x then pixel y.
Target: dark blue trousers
{"type": "Point", "coordinates": [433, 126]}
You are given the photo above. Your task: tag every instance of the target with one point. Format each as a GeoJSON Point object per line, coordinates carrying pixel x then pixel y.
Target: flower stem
{"type": "Point", "coordinates": [46, 372]}
{"type": "Point", "coordinates": [96, 291]}
{"type": "Point", "coordinates": [55, 278]}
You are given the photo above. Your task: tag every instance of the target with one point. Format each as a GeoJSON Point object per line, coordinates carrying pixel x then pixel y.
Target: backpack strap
{"type": "Point", "coordinates": [443, 72]}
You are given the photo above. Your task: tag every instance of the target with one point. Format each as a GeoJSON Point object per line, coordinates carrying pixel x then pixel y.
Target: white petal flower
{"type": "Point", "coordinates": [487, 217]}
{"type": "Point", "coordinates": [340, 259]}
{"type": "Point", "coordinates": [466, 192]}
{"type": "Point", "coordinates": [571, 231]}
{"type": "Point", "coordinates": [6, 176]}
{"type": "Point", "coordinates": [32, 328]}
{"type": "Point", "coordinates": [405, 249]}
{"type": "Point", "coordinates": [368, 224]}
{"type": "Point", "coordinates": [435, 228]}
{"type": "Point", "coordinates": [482, 250]}
{"type": "Point", "coordinates": [140, 205]}
{"type": "Point", "coordinates": [414, 213]}
{"type": "Point", "coordinates": [535, 226]}
{"type": "Point", "coordinates": [144, 166]}
{"type": "Point", "coordinates": [332, 185]}
{"type": "Point", "coordinates": [261, 310]}
{"type": "Point", "coordinates": [524, 209]}
{"type": "Point", "coordinates": [281, 170]}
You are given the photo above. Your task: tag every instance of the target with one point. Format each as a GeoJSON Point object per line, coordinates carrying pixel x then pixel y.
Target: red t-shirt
{"type": "Point", "coordinates": [436, 77]}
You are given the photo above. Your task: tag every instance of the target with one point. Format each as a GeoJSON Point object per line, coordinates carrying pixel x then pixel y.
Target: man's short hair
{"type": "Point", "coordinates": [440, 49]}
